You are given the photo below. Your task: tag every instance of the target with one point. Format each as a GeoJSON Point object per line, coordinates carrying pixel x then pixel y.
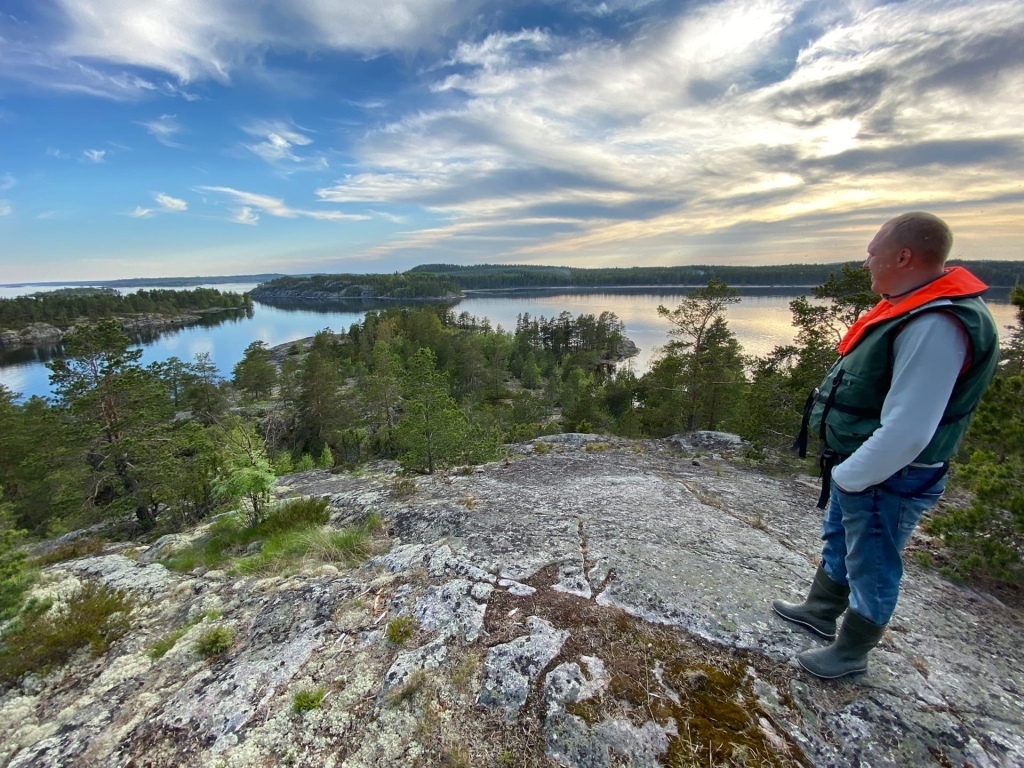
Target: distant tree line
{"type": "Point", "coordinates": [496, 276]}
{"type": "Point", "coordinates": [63, 308]}
{"type": "Point", "coordinates": [410, 285]}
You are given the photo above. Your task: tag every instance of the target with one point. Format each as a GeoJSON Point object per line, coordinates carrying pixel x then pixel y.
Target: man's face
{"type": "Point", "coordinates": [883, 261]}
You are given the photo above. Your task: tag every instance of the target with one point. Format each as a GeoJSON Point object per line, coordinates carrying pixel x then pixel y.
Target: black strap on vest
{"type": "Point", "coordinates": [826, 461]}
{"type": "Point", "coordinates": [800, 444]}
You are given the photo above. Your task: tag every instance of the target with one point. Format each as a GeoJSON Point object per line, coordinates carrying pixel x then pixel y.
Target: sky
{"type": "Point", "coordinates": [221, 137]}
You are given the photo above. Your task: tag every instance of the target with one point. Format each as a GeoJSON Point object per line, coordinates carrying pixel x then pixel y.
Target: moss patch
{"type": "Point", "coordinates": [655, 673]}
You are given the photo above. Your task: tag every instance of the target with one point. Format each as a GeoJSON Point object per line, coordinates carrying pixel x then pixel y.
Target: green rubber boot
{"type": "Point", "coordinates": [848, 655]}
{"type": "Point", "coordinates": [824, 604]}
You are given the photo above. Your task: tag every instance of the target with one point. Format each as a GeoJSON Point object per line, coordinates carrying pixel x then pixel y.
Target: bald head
{"type": "Point", "coordinates": [927, 236]}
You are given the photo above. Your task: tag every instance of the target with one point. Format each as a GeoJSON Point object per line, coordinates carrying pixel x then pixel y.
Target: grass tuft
{"type": "Point", "coordinates": [409, 689]}
{"type": "Point", "coordinates": [160, 648]}
{"type": "Point", "coordinates": [307, 699]}
{"type": "Point", "coordinates": [215, 641]}
{"type": "Point", "coordinates": [400, 630]}
{"type": "Point", "coordinates": [40, 639]}
{"type": "Point", "coordinates": [402, 488]}
{"type": "Point", "coordinates": [291, 533]}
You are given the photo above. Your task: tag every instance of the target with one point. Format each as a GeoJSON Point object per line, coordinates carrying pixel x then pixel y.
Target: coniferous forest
{"type": "Point", "coordinates": [68, 306]}
{"type": "Point", "coordinates": [160, 448]}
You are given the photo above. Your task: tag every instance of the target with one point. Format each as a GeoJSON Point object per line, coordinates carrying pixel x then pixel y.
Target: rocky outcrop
{"type": "Point", "coordinates": [45, 335]}
{"type": "Point", "coordinates": [599, 602]}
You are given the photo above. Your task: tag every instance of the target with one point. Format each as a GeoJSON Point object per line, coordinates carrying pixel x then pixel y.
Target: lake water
{"type": "Point", "coordinates": [760, 321]}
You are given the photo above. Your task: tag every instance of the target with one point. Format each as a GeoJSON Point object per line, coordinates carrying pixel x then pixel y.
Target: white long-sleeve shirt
{"type": "Point", "coordinates": [929, 354]}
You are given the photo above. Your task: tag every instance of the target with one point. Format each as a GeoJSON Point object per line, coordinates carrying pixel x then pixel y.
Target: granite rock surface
{"type": "Point", "coordinates": [589, 601]}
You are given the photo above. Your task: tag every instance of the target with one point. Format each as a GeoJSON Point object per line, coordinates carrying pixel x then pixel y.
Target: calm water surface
{"type": "Point", "coordinates": [760, 321]}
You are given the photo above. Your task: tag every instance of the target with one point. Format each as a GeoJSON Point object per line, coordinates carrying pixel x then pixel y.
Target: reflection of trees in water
{"type": "Point", "coordinates": [44, 354]}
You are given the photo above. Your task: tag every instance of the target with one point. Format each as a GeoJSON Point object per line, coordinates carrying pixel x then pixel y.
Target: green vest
{"type": "Point", "coordinates": [847, 406]}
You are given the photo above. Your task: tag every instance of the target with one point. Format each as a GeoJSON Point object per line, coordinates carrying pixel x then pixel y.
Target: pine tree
{"type": "Point", "coordinates": [255, 374]}
{"type": "Point", "coordinates": [432, 426]}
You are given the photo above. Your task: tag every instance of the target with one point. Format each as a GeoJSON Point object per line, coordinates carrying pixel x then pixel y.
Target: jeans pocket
{"type": "Point", "coordinates": [843, 492]}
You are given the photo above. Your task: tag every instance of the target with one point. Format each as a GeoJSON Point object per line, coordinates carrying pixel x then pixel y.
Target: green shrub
{"type": "Point", "coordinates": [326, 460]}
{"type": "Point", "coordinates": [39, 640]}
{"type": "Point", "coordinates": [348, 547]}
{"type": "Point", "coordinates": [402, 488]}
{"type": "Point", "coordinates": [305, 463]}
{"type": "Point", "coordinates": [294, 514]}
{"type": "Point", "coordinates": [308, 698]}
{"type": "Point", "coordinates": [215, 641]}
{"type": "Point", "coordinates": [15, 575]}
{"type": "Point", "coordinates": [400, 630]}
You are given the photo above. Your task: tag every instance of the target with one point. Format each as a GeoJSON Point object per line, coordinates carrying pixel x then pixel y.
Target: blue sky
{"type": "Point", "coordinates": [211, 137]}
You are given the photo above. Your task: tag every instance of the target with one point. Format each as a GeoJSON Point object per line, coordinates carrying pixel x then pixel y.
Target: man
{"type": "Point", "coordinates": [892, 412]}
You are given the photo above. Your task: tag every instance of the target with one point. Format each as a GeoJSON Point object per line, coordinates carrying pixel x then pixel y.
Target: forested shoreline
{"type": "Point", "coordinates": [161, 448]}
{"type": "Point", "coordinates": [495, 276]}
{"type": "Point", "coordinates": [449, 281]}
{"type": "Point", "coordinates": [67, 307]}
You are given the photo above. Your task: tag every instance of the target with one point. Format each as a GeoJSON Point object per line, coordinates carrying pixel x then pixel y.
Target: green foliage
{"type": "Point", "coordinates": [987, 536]}
{"type": "Point", "coordinates": [15, 576]}
{"type": "Point", "coordinates": [1006, 273]}
{"type": "Point", "coordinates": [400, 630]}
{"type": "Point", "coordinates": [246, 474]}
{"type": "Point", "coordinates": [290, 533]}
{"type": "Point", "coordinates": [402, 488]}
{"type": "Point", "coordinates": [702, 368]}
{"type": "Point", "coordinates": [214, 641]}
{"type": "Point", "coordinates": [41, 471]}
{"type": "Point", "coordinates": [255, 374]}
{"type": "Point", "coordinates": [781, 380]}
{"type": "Point", "coordinates": [295, 514]}
{"type": "Point", "coordinates": [64, 308]}
{"type": "Point", "coordinates": [307, 699]}
{"type": "Point", "coordinates": [433, 427]}
{"type": "Point", "coordinates": [410, 285]}
{"type": "Point", "coordinates": [305, 463]}
{"type": "Point", "coordinates": [160, 648]}
{"type": "Point", "coordinates": [326, 460]}
{"type": "Point", "coordinates": [40, 639]}
{"type": "Point", "coordinates": [119, 411]}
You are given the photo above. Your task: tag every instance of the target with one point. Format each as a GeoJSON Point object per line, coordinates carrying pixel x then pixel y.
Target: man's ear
{"type": "Point", "coordinates": [904, 257]}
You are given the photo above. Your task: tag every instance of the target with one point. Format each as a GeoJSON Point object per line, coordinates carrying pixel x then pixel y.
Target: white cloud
{"type": "Point", "coordinates": [279, 140]}
{"type": "Point", "coordinates": [701, 125]}
{"type": "Point", "coordinates": [245, 215]}
{"type": "Point", "coordinates": [275, 206]}
{"type": "Point", "coordinates": [7, 181]}
{"type": "Point", "coordinates": [210, 39]}
{"type": "Point", "coordinates": [94, 155]}
{"type": "Point", "coordinates": [163, 129]}
{"type": "Point", "coordinates": [45, 215]}
{"type": "Point", "coordinates": [140, 213]}
{"type": "Point", "coordinates": [5, 208]}
{"type": "Point", "coordinates": [170, 204]}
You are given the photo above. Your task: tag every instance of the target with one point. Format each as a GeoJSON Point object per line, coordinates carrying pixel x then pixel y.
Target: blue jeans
{"type": "Point", "coordinates": [865, 532]}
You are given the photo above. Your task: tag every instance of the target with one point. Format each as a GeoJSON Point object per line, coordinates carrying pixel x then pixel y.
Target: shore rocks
{"type": "Point", "coordinates": [45, 335]}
